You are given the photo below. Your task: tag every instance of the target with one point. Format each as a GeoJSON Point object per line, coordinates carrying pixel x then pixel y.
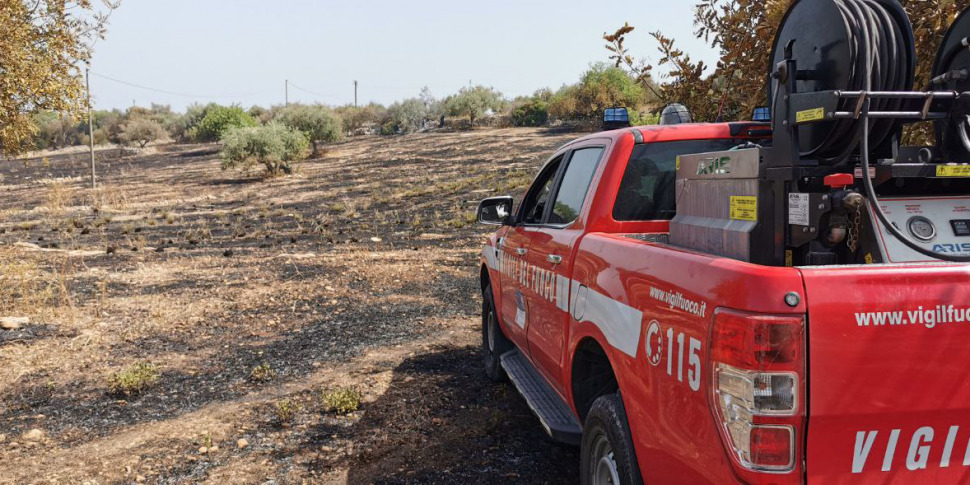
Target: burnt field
{"type": "Point", "coordinates": [188, 324]}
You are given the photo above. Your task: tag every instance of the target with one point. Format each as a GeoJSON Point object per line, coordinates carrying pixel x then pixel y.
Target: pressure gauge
{"type": "Point", "coordinates": [922, 228]}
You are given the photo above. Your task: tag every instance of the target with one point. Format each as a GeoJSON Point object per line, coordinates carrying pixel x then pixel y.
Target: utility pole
{"type": "Point", "coordinates": [87, 82]}
{"type": "Point", "coordinates": [355, 94]}
{"type": "Point", "coordinates": [287, 92]}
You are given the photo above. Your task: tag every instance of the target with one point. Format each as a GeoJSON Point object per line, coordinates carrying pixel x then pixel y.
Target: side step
{"type": "Point", "coordinates": [552, 411]}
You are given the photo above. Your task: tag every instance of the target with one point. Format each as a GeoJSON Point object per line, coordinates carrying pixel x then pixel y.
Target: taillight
{"type": "Point", "coordinates": [759, 367]}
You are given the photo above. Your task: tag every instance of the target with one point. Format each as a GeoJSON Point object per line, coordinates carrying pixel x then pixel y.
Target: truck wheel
{"type": "Point", "coordinates": [607, 456]}
{"type": "Point", "coordinates": [494, 343]}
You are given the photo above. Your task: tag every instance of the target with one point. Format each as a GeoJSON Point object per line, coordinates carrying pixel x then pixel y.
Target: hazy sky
{"type": "Point", "coordinates": [241, 51]}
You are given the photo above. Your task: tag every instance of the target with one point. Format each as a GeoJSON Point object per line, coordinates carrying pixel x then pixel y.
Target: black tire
{"type": "Point", "coordinates": [494, 343]}
{"type": "Point", "coordinates": [607, 454]}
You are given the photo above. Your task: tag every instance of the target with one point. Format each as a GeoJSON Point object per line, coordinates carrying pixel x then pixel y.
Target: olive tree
{"type": "Point", "coordinates": [473, 102]}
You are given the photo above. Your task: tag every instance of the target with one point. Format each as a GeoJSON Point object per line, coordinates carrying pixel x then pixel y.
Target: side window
{"type": "Point", "coordinates": [647, 190]}
{"type": "Point", "coordinates": [575, 184]}
{"type": "Point", "coordinates": [536, 201]}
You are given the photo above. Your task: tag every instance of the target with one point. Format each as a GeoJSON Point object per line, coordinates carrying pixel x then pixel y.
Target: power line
{"type": "Point", "coordinates": [173, 93]}
{"type": "Point", "coordinates": [321, 95]}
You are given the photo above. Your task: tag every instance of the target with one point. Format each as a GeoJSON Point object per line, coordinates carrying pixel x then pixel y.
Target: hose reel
{"type": "Point", "coordinates": [857, 59]}
{"type": "Point", "coordinates": [847, 45]}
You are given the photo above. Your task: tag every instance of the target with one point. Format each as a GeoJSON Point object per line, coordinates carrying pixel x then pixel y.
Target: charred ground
{"type": "Point", "coordinates": [358, 272]}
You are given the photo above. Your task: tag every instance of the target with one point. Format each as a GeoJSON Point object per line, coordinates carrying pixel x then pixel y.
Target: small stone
{"type": "Point", "coordinates": [139, 478]}
{"type": "Point", "coordinates": [13, 323]}
{"type": "Point", "coordinates": [227, 253]}
{"type": "Point", "coordinates": [376, 239]}
{"type": "Point", "coordinates": [241, 443]}
{"type": "Point", "coordinates": [213, 448]}
{"type": "Point", "coordinates": [203, 450]}
{"type": "Point", "coordinates": [34, 435]}
{"type": "Point", "coordinates": [3, 438]}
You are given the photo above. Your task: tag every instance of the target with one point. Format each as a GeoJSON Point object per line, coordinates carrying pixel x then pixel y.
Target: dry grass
{"type": "Point", "coordinates": [320, 276]}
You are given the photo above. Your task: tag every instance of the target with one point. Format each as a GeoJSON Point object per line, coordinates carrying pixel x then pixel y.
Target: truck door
{"type": "Point", "coordinates": [514, 249]}
{"type": "Point", "coordinates": [550, 262]}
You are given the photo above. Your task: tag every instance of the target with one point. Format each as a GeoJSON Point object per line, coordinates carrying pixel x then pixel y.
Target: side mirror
{"type": "Point", "coordinates": [495, 211]}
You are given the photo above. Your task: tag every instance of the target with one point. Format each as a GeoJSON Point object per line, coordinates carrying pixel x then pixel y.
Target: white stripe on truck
{"type": "Point", "coordinates": [619, 322]}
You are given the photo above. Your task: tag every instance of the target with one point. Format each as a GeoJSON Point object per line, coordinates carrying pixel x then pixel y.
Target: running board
{"type": "Point", "coordinates": [553, 412]}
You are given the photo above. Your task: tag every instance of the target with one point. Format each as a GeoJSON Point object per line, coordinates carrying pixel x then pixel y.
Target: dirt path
{"type": "Point", "coordinates": [359, 272]}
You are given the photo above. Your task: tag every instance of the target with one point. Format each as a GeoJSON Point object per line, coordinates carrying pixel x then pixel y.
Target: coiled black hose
{"type": "Point", "coordinates": [877, 66]}
{"type": "Point", "coordinates": [878, 62]}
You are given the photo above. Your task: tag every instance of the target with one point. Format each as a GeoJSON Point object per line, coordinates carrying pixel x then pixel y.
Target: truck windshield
{"type": "Point", "coordinates": [647, 190]}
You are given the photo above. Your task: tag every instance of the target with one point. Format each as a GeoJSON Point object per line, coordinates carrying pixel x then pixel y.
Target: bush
{"type": "Point", "coordinates": [534, 112]}
{"type": "Point", "coordinates": [601, 86]}
{"type": "Point", "coordinates": [357, 118]}
{"type": "Point", "coordinates": [317, 122]}
{"type": "Point", "coordinates": [342, 401]}
{"type": "Point", "coordinates": [274, 146]}
{"type": "Point", "coordinates": [218, 120]}
{"type": "Point", "coordinates": [142, 131]}
{"type": "Point", "coordinates": [404, 117]}
{"type": "Point", "coordinates": [55, 131]}
{"type": "Point", "coordinates": [133, 380]}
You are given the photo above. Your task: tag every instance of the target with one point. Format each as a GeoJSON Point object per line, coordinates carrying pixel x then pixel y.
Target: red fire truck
{"type": "Point", "coordinates": [754, 302]}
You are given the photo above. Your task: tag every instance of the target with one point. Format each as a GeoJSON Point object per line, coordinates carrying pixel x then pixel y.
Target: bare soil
{"type": "Point", "coordinates": [360, 271]}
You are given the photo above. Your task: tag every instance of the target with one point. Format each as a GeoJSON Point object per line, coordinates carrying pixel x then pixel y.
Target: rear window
{"type": "Point", "coordinates": [647, 190]}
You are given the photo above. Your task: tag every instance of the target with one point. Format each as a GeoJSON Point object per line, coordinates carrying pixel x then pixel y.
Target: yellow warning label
{"type": "Point", "coordinates": [810, 115]}
{"type": "Point", "coordinates": [788, 259]}
{"type": "Point", "coordinates": [953, 170]}
{"type": "Point", "coordinates": [744, 208]}
{"type": "Point", "coordinates": [869, 259]}
{"type": "Point", "coordinates": [678, 163]}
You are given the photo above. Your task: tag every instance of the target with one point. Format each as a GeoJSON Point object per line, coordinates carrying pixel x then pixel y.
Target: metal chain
{"type": "Point", "coordinates": [853, 242]}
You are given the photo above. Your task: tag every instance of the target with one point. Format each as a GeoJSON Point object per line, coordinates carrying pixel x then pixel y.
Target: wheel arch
{"type": "Point", "coordinates": [484, 279]}
{"type": "Point", "coordinates": [592, 375]}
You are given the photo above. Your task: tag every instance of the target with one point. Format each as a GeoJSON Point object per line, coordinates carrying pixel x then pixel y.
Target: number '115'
{"type": "Point", "coordinates": [693, 359]}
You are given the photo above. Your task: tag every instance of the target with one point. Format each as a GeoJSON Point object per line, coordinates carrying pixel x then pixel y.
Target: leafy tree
{"type": "Point", "coordinates": [406, 116]}
{"type": "Point", "coordinates": [601, 86]}
{"type": "Point", "coordinates": [181, 129]}
{"type": "Point", "coordinates": [433, 107]}
{"type": "Point", "coordinates": [744, 32]}
{"type": "Point", "coordinates": [54, 131]}
{"type": "Point", "coordinates": [142, 130]}
{"type": "Point", "coordinates": [317, 122]}
{"type": "Point", "coordinates": [218, 120]}
{"type": "Point", "coordinates": [356, 118]}
{"type": "Point", "coordinates": [474, 102]}
{"type": "Point", "coordinates": [274, 146]}
{"type": "Point", "coordinates": [42, 46]}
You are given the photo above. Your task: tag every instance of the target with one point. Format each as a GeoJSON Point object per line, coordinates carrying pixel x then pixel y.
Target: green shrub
{"type": "Point", "coordinates": [142, 131]}
{"type": "Point", "coordinates": [601, 86]}
{"type": "Point", "coordinates": [285, 410]}
{"type": "Point", "coordinates": [262, 373]}
{"type": "Point", "coordinates": [534, 112]}
{"type": "Point", "coordinates": [218, 120]}
{"type": "Point", "coordinates": [274, 146]}
{"type": "Point", "coordinates": [133, 380]}
{"type": "Point", "coordinates": [317, 122]}
{"type": "Point", "coordinates": [342, 401]}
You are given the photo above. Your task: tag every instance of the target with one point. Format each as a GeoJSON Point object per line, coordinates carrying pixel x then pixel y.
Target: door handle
{"type": "Point", "coordinates": [554, 258]}
{"type": "Point", "coordinates": [521, 251]}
